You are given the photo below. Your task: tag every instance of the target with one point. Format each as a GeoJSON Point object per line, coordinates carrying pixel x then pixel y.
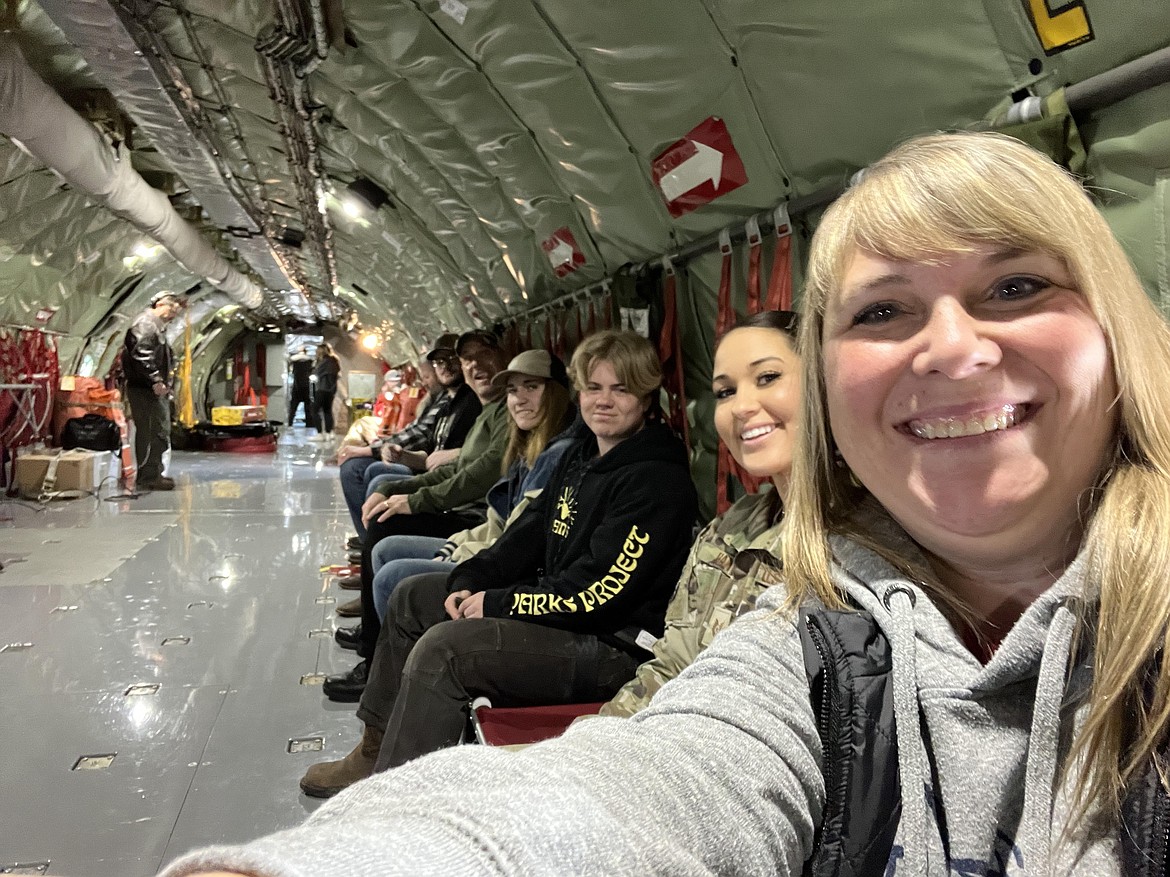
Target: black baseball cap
{"type": "Point", "coordinates": [483, 336]}
{"type": "Point", "coordinates": [444, 347]}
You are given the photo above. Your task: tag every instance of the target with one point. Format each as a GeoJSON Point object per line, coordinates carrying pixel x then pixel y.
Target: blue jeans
{"type": "Point", "coordinates": [397, 557]}
{"type": "Point", "coordinates": [381, 473]}
{"type": "Point", "coordinates": [356, 473]}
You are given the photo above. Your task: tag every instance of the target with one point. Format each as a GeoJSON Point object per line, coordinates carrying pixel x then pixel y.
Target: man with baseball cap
{"type": "Point", "coordinates": [434, 438]}
{"type": "Point", "coordinates": [146, 362]}
{"type": "Point", "coordinates": [445, 499]}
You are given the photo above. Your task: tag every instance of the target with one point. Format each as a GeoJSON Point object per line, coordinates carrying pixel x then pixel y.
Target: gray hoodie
{"type": "Point", "coordinates": [721, 774]}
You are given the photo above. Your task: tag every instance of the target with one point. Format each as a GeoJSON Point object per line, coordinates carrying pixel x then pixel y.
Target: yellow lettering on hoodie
{"type": "Point", "coordinates": [601, 591]}
{"type": "Point", "coordinates": [626, 563]}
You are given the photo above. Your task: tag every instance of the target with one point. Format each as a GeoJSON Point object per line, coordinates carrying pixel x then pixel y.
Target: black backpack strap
{"type": "Point", "coordinates": [849, 666]}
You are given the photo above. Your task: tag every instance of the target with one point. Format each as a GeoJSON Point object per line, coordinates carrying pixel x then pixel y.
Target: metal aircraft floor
{"type": "Point", "coordinates": [178, 641]}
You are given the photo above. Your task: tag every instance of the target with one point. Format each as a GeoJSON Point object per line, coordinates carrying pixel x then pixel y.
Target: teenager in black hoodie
{"type": "Point", "coordinates": [567, 602]}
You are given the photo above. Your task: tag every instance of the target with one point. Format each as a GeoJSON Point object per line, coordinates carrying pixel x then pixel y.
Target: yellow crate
{"type": "Point", "coordinates": [237, 415]}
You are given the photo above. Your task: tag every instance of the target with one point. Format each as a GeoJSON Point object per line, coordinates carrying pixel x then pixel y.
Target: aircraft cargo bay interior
{"type": "Point", "coordinates": [542, 429]}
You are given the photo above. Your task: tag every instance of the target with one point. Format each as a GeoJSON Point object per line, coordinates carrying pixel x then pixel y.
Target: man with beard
{"type": "Point", "coordinates": [442, 426]}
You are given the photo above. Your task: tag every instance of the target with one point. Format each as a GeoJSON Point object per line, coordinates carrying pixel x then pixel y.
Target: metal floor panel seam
{"type": "Point", "coordinates": [225, 571]}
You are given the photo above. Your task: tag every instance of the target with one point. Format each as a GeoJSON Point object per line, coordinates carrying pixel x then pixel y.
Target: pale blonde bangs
{"type": "Point", "coordinates": [950, 194]}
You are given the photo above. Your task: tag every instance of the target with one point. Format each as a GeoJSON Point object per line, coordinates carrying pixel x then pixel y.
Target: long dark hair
{"type": "Point", "coordinates": [555, 403]}
{"type": "Point", "coordinates": [787, 322]}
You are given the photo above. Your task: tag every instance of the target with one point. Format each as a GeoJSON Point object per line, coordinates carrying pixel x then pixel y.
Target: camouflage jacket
{"type": "Point", "coordinates": [730, 564]}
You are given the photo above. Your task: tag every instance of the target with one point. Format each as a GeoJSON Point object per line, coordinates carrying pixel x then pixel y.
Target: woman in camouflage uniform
{"type": "Point", "coordinates": [757, 397]}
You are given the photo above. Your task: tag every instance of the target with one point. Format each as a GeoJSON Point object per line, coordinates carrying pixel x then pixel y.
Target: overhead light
{"type": "Point", "coordinates": [363, 196]}
{"type": "Point", "coordinates": [140, 254]}
{"type": "Point", "coordinates": [370, 341]}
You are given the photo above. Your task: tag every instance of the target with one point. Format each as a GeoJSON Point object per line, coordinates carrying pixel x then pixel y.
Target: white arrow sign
{"type": "Point", "coordinates": [561, 254]}
{"type": "Point", "coordinates": [705, 164]}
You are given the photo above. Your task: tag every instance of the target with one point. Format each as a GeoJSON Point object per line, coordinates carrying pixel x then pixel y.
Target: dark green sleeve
{"type": "Point", "coordinates": [477, 469]}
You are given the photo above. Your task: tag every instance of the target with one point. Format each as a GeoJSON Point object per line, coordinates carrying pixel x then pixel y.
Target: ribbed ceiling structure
{"type": "Point", "coordinates": [528, 149]}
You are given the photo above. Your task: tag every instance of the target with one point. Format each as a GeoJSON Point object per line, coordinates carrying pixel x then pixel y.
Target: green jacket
{"type": "Point", "coordinates": [730, 564]}
{"type": "Point", "coordinates": [465, 481]}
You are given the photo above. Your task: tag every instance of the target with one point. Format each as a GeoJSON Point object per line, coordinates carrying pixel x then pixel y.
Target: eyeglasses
{"type": "Point", "coordinates": [450, 360]}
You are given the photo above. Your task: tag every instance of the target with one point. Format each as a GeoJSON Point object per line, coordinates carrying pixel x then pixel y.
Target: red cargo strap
{"type": "Point", "coordinates": [755, 249]}
{"type": "Point", "coordinates": [670, 355]}
{"type": "Point", "coordinates": [560, 318]}
{"type": "Point", "coordinates": [725, 465]}
{"type": "Point", "coordinates": [725, 317]}
{"type": "Point", "coordinates": [780, 283]}
{"type": "Point", "coordinates": [28, 360]}
{"type": "Point", "coordinates": [511, 340]}
{"type": "Point", "coordinates": [262, 371]}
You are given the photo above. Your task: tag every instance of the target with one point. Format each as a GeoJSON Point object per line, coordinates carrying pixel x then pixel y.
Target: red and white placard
{"type": "Point", "coordinates": [699, 168]}
{"type": "Point", "coordinates": [563, 253]}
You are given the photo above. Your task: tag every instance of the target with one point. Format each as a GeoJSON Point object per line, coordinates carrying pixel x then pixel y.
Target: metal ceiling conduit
{"type": "Point", "coordinates": [139, 76]}
{"type": "Point", "coordinates": [290, 49]}
{"type": "Point", "coordinates": [35, 116]}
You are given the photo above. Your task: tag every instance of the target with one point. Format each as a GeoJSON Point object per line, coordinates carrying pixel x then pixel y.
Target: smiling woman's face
{"type": "Point", "coordinates": [757, 398]}
{"type": "Point", "coordinates": [972, 398]}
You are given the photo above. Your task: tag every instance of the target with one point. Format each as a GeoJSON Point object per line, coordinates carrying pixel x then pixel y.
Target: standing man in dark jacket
{"type": "Point", "coordinates": [568, 601]}
{"type": "Point", "coordinates": [326, 368]}
{"type": "Point", "coordinates": [300, 390]}
{"type": "Point", "coordinates": [146, 362]}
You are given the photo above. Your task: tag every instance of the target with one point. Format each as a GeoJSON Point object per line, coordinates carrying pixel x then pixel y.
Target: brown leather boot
{"type": "Point", "coordinates": [326, 779]}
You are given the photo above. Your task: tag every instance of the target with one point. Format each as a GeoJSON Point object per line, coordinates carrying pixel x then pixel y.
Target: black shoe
{"type": "Point", "coordinates": [353, 543]}
{"type": "Point", "coordinates": [347, 687]}
{"type": "Point", "coordinates": [348, 637]}
{"type": "Point", "coordinates": [354, 556]}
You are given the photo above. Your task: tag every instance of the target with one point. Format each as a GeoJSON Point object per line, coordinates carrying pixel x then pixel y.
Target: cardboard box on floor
{"type": "Point", "coordinates": [77, 470]}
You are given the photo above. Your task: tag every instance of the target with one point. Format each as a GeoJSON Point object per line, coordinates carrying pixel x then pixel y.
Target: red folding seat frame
{"type": "Point", "coordinates": [519, 726]}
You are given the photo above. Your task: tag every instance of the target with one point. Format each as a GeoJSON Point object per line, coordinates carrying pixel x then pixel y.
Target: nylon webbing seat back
{"type": "Point", "coordinates": [778, 297]}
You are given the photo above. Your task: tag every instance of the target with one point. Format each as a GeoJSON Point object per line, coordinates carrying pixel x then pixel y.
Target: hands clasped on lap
{"type": "Point", "coordinates": [379, 508]}
{"type": "Point", "coordinates": [464, 604]}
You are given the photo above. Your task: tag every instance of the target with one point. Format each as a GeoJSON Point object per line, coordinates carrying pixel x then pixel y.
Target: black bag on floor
{"type": "Point", "coordinates": [92, 432]}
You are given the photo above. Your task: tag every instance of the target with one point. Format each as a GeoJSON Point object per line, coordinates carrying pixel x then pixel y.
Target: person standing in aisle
{"type": "Point", "coordinates": [300, 391]}
{"type": "Point", "coordinates": [146, 362]}
{"type": "Point", "coordinates": [326, 368]}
